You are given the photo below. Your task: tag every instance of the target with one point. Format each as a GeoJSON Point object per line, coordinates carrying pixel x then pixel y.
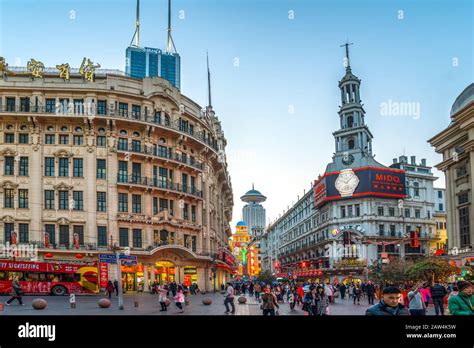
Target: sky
{"type": "Point", "coordinates": [275, 67]}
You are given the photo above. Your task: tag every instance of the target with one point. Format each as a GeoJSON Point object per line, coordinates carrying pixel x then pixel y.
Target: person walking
{"type": "Point", "coordinates": [357, 293]}
{"type": "Point", "coordinates": [257, 289]}
{"type": "Point", "coordinates": [173, 288]}
{"type": "Point", "coordinates": [229, 299]}
{"type": "Point", "coordinates": [269, 302]}
{"type": "Point", "coordinates": [322, 302]}
{"type": "Point", "coordinates": [163, 297]}
{"type": "Point", "coordinates": [116, 287]}
{"type": "Point", "coordinates": [351, 291]}
{"type": "Point", "coordinates": [389, 304]}
{"type": "Point", "coordinates": [425, 292]}
{"type": "Point", "coordinates": [300, 294]}
{"type": "Point", "coordinates": [329, 292]}
{"type": "Point", "coordinates": [243, 288]}
{"type": "Point", "coordinates": [310, 301]}
{"type": "Point", "coordinates": [179, 299]}
{"type": "Point", "coordinates": [342, 290]}
{"type": "Point", "coordinates": [370, 288]}
{"type": "Point", "coordinates": [17, 292]}
{"type": "Point", "coordinates": [416, 303]}
{"type": "Point", "coordinates": [438, 293]}
{"type": "Point", "coordinates": [463, 302]}
{"type": "Point", "coordinates": [109, 289]}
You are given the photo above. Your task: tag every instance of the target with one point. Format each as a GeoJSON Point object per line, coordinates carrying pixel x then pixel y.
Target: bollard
{"type": "Point", "coordinates": [136, 304]}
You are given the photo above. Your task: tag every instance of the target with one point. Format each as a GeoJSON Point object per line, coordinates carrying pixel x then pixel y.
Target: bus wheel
{"type": "Point", "coordinates": [59, 290]}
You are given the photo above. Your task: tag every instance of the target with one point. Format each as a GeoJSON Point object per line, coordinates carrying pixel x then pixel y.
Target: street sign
{"type": "Point", "coordinates": [111, 258]}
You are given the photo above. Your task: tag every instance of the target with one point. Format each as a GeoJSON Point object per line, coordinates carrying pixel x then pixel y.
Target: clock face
{"type": "Point", "coordinates": [346, 182]}
{"type": "Point", "coordinates": [348, 160]}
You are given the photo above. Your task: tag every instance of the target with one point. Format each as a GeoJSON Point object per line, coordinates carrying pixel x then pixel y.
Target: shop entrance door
{"type": "Point", "coordinates": [128, 281]}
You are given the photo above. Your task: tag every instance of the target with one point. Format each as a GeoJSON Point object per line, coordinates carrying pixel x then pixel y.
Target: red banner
{"type": "Point", "coordinates": [46, 240]}
{"type": "Point", "coordinates": [76, 240]}
{"type": "Point", "coordinates": [104, 274]}
{"type": "Point", "coordinates": [21, 266]}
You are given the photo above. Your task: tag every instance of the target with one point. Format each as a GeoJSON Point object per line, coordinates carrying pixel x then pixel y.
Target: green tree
{"type": "Point", "coordinates": [392, 273]}
{"type": "Point", "coordinates": [266, 276]}
{"type": "Point", "coordinates": [431, 270]}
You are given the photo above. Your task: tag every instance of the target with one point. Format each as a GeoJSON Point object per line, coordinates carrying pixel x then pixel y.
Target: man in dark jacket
{"type": "Point", "coordinates": [390, 303]}
{"type": "Point", "coordinates": [17, 292]}
{"type": "Point", "coordinates": [438, 292]}
{"type": "Point", "coordinates": [370, 289]}
{"type": "Point", "coordinates": [342, 289]}
{"type": "Point", "coordinates": [173, 288]}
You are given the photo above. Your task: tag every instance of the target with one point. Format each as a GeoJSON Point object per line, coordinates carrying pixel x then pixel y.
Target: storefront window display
{"type": "Point", "coordinates": [190, 275]}
{"type": "Point", "coordinates": [165, 272]}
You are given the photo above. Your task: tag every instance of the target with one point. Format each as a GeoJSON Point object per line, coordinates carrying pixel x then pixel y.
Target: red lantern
{"type": "Point", "coordinates": [48, 255]}
{"type": "Point", "coordinates": [79, 256]}
{"type": "Point", "coordinates": [46, 239]}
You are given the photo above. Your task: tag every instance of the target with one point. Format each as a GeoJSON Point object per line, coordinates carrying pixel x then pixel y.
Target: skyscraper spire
{"type": "Point", "coordinates": [208, 83]}
{"type": "Point", "coordinates": [348, 64]}
{"type": "Point", "coordinates": [170, 48]}
{"type": "Point", "coordinates": [136, 34]}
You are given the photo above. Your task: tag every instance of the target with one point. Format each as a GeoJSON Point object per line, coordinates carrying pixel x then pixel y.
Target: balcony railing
{"type": "Point", "coordinates": [64, 246]}
{"type": "Point", "coordinates": [152, 182]}
{"type": "Point", "coordinates": [133, 115]}
{"type": "Point", "coordinates": [149, 150]}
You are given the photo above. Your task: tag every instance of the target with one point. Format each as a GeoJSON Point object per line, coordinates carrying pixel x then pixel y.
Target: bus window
{"type": "Point", "coordinates": [3, 275]}
{"type": "Point", "coordinates": [65, 277]}
{"type": "Point", "coordinates": [42, 277]}
{"type": "Point", "coordinates": [20, 275]}
{"type": "Point", "coordinates": [53, 277]}
{"type": "Point", "coordinates": [32, 277]}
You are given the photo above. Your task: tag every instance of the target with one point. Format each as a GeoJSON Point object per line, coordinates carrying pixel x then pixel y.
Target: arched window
{"type": "Point", "coordinates": [350, 121]}
{"type": "Point", "coordinates": [351, 144]}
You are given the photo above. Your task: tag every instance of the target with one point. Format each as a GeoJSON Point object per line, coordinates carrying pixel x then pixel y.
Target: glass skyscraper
{"type": "Point", "coordinates": [153, 62]}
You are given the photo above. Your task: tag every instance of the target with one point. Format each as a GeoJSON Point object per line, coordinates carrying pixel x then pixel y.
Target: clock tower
{"type": "Point", "coordinates": [353, 140]}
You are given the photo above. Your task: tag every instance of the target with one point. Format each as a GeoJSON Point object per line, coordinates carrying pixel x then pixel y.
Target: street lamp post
{"type": "Point", "coordinates": [119, 280]}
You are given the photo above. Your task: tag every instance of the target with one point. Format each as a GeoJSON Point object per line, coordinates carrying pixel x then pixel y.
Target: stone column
{"type": "Point", "coordinates": [90, 188]}
{"type": "Point", "coordinates": [145, 277]}
{"type": "Point", "coordinates": [152, 272]}
{"type": "Point", "coordinates": [35, 191]}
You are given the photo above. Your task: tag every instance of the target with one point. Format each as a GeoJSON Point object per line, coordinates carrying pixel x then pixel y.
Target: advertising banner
{"type": "Point", "coordinates": [359, 182]}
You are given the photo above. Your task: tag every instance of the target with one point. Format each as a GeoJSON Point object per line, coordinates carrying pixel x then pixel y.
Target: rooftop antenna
{"type": "Point", "coordinates": [136, 35]}
{"type": "Point", "coordinates": [208, 82]}
{"type": "Point", "coordinates": [171, 48]}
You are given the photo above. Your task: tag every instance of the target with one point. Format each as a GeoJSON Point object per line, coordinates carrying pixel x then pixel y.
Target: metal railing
{"type": "Point", "coordinates": [64, 246]}
{"type": "Point", "coordinates": [117, 113]}
{"type": "Point", "coordinates": [150, 150]}
{"type": "Point", "coordinates": [152, 182]}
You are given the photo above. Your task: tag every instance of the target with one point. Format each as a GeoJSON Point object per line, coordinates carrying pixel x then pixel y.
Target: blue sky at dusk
{"type": "Point", "coordinates": [278, 105]}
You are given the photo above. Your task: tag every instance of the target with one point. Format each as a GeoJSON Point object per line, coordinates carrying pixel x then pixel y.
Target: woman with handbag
{"type": "Point", "coordinates": [322, 302]}
{"type": "Point", "coordinates": [17, 292]}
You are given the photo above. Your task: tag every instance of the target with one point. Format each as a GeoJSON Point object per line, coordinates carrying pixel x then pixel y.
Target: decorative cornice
{"type": "Point", "coordinates": [7, 184]}
{"type": "Point", "coordinates": [62, 186]}
{"type": "Point", "coordinates": [8, 152]}
{"type": "Point", "coordinates": [8, 219]}
{"type": "Point", "coordinates": [63, 153]}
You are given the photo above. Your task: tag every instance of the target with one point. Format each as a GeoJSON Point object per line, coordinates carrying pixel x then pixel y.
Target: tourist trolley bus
{"type": "Point", "coordinates": [49, 277]}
